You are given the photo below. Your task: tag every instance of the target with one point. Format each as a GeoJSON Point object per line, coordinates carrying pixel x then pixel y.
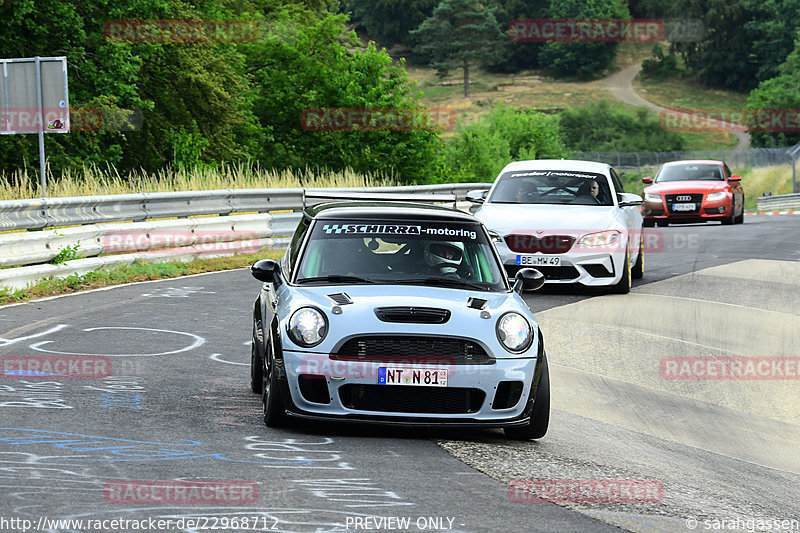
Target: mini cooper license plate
{"type": "Point", "coordinates": [427, 377]}
{"type": "Point", "coordinates": [683, 207]}
{"type": "Point", "coordinates": [538, 260]}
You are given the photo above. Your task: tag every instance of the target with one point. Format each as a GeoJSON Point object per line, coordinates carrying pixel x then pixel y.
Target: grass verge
{"type": "Point", "coordinates": [89, 181]}
{"type": "Point", "coordinates": [120, 274]}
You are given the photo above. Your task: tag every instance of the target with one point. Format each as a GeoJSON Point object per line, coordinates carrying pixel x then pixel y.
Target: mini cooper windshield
{"type": "Point", "coordinates": [429, 253]}
{"type": "Point", "coordinates": [551, 187]}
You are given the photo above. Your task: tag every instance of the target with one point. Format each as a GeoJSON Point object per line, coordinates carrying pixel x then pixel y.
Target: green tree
{"type": "Point", "coordinates": [458, 33]}
{"type": "Point", "coordinates": [599, 127]}
{"type": "Point", "coordinates": [480, 149]}
{"type": "Point", "coordinates": [299, 67]}
{"type": "Point", "coordinates": [390, 21]}
{"type": "Point", "coordinates": [779, 93]}
{"type": "Point", "coordinates": [582, 59]}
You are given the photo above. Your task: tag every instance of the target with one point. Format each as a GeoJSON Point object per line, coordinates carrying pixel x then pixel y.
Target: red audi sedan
{"type": "Point", "coordinates": [693, 191]}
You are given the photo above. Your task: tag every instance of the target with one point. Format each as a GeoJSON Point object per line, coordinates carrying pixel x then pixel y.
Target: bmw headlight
{"type": "Point", "coordinates": [514, 332]}
{"type": "Point", "coordinates": [601, 238]}
{"type": "Point", "coordinates": [495, 237]}
{"type": "Point", "coordinates": [652, 197]}
{"type": "Point", "coordinates": [719, 195]}
{"type": "Point", "coordinates": [307, 327]}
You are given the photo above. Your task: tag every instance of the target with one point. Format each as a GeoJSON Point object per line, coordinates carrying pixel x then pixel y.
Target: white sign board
{"type": "Point", "coordinates": [34, 96]}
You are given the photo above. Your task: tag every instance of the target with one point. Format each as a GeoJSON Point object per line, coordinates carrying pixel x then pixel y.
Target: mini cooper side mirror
{"type": "Point", "coordinates": [528, 279]}
{"type": "Point", "coordinates": [476, 196]}
{"type": "Point", "coordinates": [266, 270]}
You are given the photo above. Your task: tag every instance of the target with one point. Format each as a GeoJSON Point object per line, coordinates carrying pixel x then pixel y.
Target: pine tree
{"type": "Point", "coordinates": [460, 32]}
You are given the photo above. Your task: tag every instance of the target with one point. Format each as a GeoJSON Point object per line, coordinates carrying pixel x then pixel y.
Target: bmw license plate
{"type": "Point", "coordinates": [538, 260]}
{"type": "Point", "coordinates": [427, 377]}
{"type": "Point", "coordinates": [683, 207]}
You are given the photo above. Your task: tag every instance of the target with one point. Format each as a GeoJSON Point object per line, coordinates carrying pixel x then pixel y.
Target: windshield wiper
{"type": "Point", "coordinates": [335, 278]}
{"type": "Point", "coordinates": [441, 282]}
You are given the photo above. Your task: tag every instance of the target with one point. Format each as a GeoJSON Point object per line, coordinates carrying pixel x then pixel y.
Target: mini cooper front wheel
{"type": "Point", "coordinates": [536, 428]}
{"type": "Point", "coordinates": [273, 409]}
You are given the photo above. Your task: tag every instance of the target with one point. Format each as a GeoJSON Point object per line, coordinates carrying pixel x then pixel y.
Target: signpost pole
{"type": "Point", "coordinates": [40, 114]}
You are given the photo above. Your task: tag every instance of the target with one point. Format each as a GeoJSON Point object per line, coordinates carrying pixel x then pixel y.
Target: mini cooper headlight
{"type": "Point", "coordinates": [514, 332]}
{"type": "Point", "coordinates": [719, 195]}
{"type": "Point", "coordinates": [652, 197]}
{"type": "Point", "coordinates": [307, 327]}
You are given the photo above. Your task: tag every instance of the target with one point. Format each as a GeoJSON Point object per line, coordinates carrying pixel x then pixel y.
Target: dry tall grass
{"type": "Point", "coordinates": [90, 181]}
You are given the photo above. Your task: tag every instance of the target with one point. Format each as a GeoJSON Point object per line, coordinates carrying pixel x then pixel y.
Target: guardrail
{"type": "Point", "coordinates": [781, 202]}
{"type": "Point", "coordinates": [116, 229]}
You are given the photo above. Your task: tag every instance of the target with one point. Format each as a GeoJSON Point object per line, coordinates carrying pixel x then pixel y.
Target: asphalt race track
{"type": "Point", "coordinates": [173, 408]}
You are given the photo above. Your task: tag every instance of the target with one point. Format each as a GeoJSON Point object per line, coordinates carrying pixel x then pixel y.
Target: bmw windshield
{"type": "Point", "coordinates": [446, 254]}
{"type": "Point", "coordinates": [551, 187]}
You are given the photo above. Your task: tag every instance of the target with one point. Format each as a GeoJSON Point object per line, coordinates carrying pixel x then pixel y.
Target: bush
{"type": "Point", "coordinates": [599, 127]}
{"type": "Point", "coordinates": [481, 149]}
{"type": "Point", "coordinates": [661, 66]}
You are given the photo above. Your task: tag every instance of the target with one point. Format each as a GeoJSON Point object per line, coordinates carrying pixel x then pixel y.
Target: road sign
{"type": "Point", "coordinates": [34, 98]}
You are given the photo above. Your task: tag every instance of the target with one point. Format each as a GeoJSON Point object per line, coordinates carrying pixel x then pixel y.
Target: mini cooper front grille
{"type": "Point", "coordinates": [547, 244]}
{"type": "Point", "coordinates": [413, 315]}
{"type": "Point", "coordinates": [411, 399]}
{"type": "Point", "coordinates": [413, 349]}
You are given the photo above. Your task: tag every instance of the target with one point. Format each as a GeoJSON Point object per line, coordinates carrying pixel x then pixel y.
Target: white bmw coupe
{"type": "Point", "coordinates": [571, 220]}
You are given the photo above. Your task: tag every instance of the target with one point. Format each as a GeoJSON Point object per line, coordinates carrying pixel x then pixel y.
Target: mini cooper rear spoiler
{"type": "Point", "coordinates": [379, 196]}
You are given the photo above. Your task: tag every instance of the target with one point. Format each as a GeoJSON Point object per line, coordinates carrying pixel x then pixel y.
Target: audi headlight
{"type": "Point", "coordinates": [307, 327]}
{"type": "Point", "coordinates": [602, 238]}
{"type": "Point", "coordinates": [719, 195]}
{"type": "Point", "coordinates": [514, 332]}
{"type": "Point", "coordinates": [652, 197]}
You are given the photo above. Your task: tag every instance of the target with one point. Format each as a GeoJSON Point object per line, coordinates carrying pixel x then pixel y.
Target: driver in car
{"type": "Point", "coordinates": [446, 259]}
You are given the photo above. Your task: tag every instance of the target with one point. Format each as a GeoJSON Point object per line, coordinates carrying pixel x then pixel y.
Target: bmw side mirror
{"type": "Point", "coordinates": [266, 270]}
{"type": "Point", "coordinates": [647, 179]}
{"type": "Point", "coordinates": [528, 279]}
{"type": "Point", "coordinates": [627, 199]}
{"type": "Point", "coordinates": [476, 196]}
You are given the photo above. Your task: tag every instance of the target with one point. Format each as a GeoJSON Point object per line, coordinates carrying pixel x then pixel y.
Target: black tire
{"type": "Point", "coordinates": [536, 428]}
{"type": "Point", "coordinates": [273, 410]}
{"type": "Point", "coordinates": [637, 271]}
{"type": "Point", "coordinates": [256, 369]}
{"type": "Point", "coordinates": [624, 284]}
{"type": "Point", "coordinates": [731, 218]}
{"type": "Point", "coordinates": [740, 218]}
{"type": "Point", "coordinates": [648, 223]}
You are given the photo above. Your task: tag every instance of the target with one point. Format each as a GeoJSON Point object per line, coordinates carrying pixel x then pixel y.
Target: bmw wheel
{"type": "Point", "coordinates": [624, 284]}
{"type": "Point", "coordinates": [638, 268]}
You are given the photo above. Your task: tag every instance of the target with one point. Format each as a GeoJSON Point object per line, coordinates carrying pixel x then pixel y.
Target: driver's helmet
{"type": "Point", "coordinates": [442, 253]}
